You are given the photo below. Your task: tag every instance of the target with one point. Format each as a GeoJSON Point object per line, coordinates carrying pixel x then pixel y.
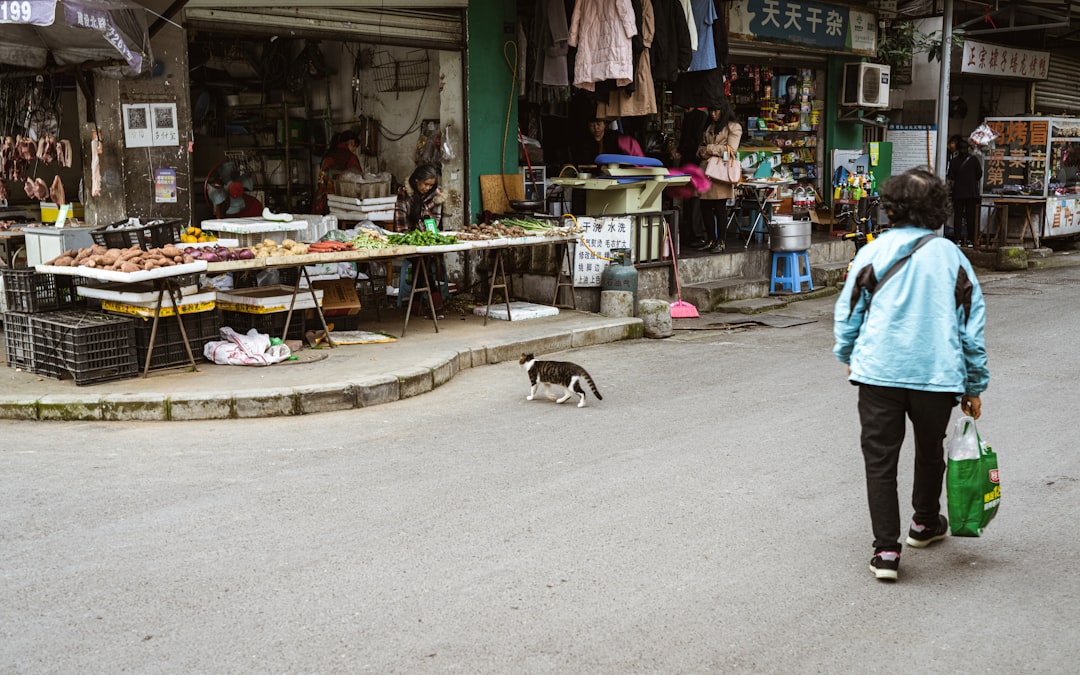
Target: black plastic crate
{"type": "Point", "coordinates": [148, 235]}
{"type": "Point", "coordinates": [271, 324]}
{"type": "Point", "coordinates": [18, 341]}
{"type": "Point", "coordinates": [89, 346]}
{"type": "Point", "coordinates": [28, 291]}
{"type": "Point", "coordinates": [169, 352]}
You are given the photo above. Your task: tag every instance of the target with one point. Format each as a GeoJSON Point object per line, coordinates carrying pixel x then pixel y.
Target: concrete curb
{"type": "Point", "coordinates": [434, 370]}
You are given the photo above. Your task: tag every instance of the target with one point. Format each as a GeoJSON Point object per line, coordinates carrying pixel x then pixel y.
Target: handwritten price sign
{"type": "Point", "coordinates": [33, 12]}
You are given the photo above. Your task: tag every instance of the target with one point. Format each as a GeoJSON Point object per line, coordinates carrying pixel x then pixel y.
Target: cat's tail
{"type": "Point", "coordinates": [592, 385]}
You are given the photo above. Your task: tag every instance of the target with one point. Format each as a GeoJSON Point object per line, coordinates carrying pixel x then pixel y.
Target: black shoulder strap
{"type": "Point", "coordinates": [868, 280]}
{"type": "Point", "coordinates": [895, 267]}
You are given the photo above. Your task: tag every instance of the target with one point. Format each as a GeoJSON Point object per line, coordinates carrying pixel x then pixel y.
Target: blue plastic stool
{"type": "Point", "coordinates": [788, 273]}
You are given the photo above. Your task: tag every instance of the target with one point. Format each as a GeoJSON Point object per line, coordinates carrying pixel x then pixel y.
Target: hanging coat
{"type": "Point", "coordinates": [643, 99]}
{"type": "Point", "coordinates": [602, 31]}
{"type": "Point", "coordinates": [551, 48]}
{"type": "Point", "coordinates": [671, 52]}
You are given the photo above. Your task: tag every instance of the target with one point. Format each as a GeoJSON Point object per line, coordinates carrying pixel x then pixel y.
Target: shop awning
{"type": "Point", "coordinates": [104, 34]}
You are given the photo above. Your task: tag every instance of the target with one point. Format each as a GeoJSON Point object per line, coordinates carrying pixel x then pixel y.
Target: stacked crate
{"type": "Point", "coordinates": [46, 332]}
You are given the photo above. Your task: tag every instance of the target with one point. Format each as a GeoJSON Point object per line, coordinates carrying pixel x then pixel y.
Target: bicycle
{"type": "Point", "coordinates": [861, 230]}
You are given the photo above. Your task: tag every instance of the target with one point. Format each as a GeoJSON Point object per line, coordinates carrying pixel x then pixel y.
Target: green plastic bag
{"type": "Point", "coordinates": [971, 480]}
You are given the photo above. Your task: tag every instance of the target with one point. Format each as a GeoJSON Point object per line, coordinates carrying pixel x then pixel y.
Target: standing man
{"type": "Point", "coordinates": [965, 176]}
{"type": "Point", "coordinates": [909, 326]}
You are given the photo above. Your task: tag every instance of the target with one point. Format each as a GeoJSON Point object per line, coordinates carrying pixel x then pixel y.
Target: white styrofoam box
{"type": "Point", "coordinates": [265, 299]}
{"type": "Point", "coordinates": [317, 225]}
{"type": "Point", "coordinates": [322, 269]}
{"type": "Point", "coordinates": [314, 278]}
{"type": "Point", "coordinates": [519, 311]}
{"type": "Point", "coordinates": [131, 293]}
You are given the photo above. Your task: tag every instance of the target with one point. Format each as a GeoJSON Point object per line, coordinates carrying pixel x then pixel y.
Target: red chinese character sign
{"type": "Point", "coordinates": [983, 58]}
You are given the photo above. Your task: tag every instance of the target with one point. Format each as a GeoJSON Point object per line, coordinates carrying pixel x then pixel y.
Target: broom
{"type": "Point", "coordinates": [679, 309]}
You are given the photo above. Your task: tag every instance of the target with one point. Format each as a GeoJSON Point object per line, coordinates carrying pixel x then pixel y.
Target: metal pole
{"type": "Point", "coordinates": [943, 89]}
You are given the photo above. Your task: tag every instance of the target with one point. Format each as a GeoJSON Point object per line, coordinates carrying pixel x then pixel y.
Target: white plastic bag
{"type": "Point", "coordinates": [252, 349]}
{"type": "Point", "coordinates": [964, 439]}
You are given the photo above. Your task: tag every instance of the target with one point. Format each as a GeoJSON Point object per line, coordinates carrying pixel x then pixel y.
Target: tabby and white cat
{"type": "Point", "coordinates": [563, 373]}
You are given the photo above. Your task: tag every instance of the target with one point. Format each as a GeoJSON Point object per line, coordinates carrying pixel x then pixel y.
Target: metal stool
{"type": "Point", "coordinates": [793, 274]}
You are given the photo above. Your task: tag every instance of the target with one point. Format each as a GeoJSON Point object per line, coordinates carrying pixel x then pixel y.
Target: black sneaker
{"type": "Point", "coordinates": [885, 565]}
{"type": "Point", "coordinates": [921, 536]}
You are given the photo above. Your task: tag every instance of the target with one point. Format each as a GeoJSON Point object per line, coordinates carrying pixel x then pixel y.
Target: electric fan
{"type": "Point", "coordinates": [226, 186]}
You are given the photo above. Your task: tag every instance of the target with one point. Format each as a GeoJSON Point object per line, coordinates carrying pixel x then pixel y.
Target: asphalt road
{"type": "Point", "coordinates": [707, 516]}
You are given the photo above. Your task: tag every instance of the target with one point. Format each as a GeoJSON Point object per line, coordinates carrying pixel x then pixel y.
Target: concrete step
{"type": "Point", "coordinates": [828, 274]}
{"type": "Point", "coordinates": [707, 295]}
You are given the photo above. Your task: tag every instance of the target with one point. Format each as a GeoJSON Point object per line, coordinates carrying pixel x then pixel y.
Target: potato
{"type": "Point", "coordinates": [288, 243]}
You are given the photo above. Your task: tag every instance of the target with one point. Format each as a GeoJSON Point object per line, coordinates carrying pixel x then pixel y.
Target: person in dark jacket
{"type": "Point", "coordinates": [965, 175]}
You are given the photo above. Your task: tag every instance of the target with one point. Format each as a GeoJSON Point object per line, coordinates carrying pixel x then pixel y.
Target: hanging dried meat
{"type": "Point", "coordinates": [56, 191]}
{"type": "Point", "coordinates": [41, 189]}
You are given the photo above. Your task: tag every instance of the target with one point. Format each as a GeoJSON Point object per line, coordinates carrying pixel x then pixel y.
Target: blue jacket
{"type": "Point", "coordinates": [924, 329]}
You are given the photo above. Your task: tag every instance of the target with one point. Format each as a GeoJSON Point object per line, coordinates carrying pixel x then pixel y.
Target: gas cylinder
{"type": "Point", "coordinates": [620, 274]}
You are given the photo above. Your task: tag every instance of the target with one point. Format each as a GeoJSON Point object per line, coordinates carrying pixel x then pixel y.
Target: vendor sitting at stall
{"type": "Point", "coordinates": [239, 204]}
{"type": "Point", "coordinates": [341, 157]}
{"type": "Point", "coordinates": [601, 140]}
{"type": "Point", "coordinates": [420, 199]}
{"type": "Point", "coordinates": [419, 202]}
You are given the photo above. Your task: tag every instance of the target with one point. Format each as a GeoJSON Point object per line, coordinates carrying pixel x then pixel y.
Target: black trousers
{"type": "Point", "coordinates": [714, 217]}
{"type": "Point", "coordinates": [965, 212]}
{"type": "Point", "coordinates": [882, 413]}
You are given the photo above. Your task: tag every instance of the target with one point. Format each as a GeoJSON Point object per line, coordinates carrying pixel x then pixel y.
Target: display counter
{"type": "Point", "coordinates": [1031, 178]}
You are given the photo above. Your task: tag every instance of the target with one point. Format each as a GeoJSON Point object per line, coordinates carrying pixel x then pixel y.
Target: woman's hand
{"type": "Point", "coordinates": [971, 405]}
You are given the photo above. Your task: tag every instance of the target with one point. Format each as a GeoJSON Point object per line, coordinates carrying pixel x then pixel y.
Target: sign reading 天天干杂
{"type": "Point", "coordinates": [802, 22]}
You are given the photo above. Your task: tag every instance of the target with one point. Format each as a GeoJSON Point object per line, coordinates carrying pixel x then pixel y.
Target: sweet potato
{"type": "Point", "coordinates": [128, 266]}
{"type": "Point", "coordinates": [62, 261]}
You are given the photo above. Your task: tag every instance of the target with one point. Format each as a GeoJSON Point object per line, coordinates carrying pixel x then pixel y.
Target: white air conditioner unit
{"type": "Point", "coordinates": [866, 85]}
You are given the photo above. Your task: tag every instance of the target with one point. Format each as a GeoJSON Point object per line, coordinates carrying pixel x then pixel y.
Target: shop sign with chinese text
{"type": "Point", "coordinates": [598, 237]}
{"type": "Point", "coordinates": [1017, 162]}
{"type": "Point", "coordinates": [801, 22]}
{"type": "Point", "coordinates": [1062, 215]}
{"type": "Point", "coordinates": [983, 58]}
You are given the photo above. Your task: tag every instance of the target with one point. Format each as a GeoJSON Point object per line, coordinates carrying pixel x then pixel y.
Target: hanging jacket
{"type": "Point", "coordinates": [602, 30]}
{"type": "Point", "coordinates": [924, 330]}
{"type": "Point", "coordinates": [671, 52]}
{"type": "Point", "coordinates": [642, 100]}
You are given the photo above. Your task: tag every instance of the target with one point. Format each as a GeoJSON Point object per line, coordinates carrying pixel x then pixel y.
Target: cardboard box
{"type": "Point", "coordinates": [339, 297]}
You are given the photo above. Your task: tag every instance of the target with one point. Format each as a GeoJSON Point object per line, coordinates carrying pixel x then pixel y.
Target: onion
{"type": "Point", "coordinates": [245, 254]}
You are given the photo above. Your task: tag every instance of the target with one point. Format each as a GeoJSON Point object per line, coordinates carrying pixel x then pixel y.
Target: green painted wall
{"type": "Point", "coordinates": [838, 135]}
{"type": "Point", "coordinates": [488, 92]}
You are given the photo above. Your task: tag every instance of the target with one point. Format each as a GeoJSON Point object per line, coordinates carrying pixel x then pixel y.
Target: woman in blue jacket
{"type": "Point", "coordinates": [912, 338]}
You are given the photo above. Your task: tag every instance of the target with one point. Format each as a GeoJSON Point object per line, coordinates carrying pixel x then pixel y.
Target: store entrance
{"type": "Point", "coordinates": [267, 113]}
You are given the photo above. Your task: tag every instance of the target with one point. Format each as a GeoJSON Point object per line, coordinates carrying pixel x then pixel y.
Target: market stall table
{"type": "Point", "coordinates": [300, 264]}
{"type": "Point", "coordinates": [762, 193]}
{"type": "Point", "coordinates": [1000, 207]}
{"type": "Point", "coordinates": [164, 280]}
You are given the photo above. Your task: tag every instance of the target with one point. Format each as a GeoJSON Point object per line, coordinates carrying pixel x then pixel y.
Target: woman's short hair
{"type": "Point", "coordinates": [916, 197]}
